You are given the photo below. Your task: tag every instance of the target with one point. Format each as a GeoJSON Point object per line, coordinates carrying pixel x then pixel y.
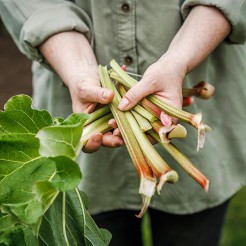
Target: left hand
{"type": "Point", "coordinates": [164, 79]}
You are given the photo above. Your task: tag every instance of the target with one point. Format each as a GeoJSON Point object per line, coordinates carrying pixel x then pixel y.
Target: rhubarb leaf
{"type": "Point", "coordinates": [38, 175]}
{"type": "Point", "coordinates": [79, 228]}
{"type": "Point", "coordinates": [62, 139]}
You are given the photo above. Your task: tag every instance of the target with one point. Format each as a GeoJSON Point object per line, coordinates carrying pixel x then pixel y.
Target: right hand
{"type": "Point", "coordinates": [86, 93]}
{"type": "Point", "coordinates": [71, 56]}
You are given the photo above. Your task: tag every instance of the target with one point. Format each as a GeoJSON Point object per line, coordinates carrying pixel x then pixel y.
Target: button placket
{"type": "Point", "coordinates": [126, 34]}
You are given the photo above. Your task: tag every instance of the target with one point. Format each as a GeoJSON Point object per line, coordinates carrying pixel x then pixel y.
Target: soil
{"type": "Point", "coordinates": [15, 70]}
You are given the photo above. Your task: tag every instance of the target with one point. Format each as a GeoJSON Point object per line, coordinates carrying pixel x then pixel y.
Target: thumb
{"type": "Point", "coordinates": [135, 94]}
{"type": "Point", "coordinates": [97, 94]}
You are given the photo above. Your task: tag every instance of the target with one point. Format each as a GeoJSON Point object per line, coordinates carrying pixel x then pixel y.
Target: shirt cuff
{"type": "Point", "coordinates": [46, 22]}
{"type": "Point", "coordinates": [233, 10]}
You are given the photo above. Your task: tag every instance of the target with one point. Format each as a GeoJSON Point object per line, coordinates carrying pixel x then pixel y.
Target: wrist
{"type": "Point", "coordinates": [70, 55]}
{"type": "Point", "coordinates": [175, 62]}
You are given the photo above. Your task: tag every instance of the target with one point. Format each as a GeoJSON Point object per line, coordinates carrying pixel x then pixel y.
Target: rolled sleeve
{"type": "Point", "coordinates": [233, 10]}
{"type": "Point", "coordinates": [35, 21]}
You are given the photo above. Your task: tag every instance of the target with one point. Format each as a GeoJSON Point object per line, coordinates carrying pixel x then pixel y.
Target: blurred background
{"type": "Point", "coordinates": [15, 78]}
{"type": "Point", "coordinates": [15, 69]}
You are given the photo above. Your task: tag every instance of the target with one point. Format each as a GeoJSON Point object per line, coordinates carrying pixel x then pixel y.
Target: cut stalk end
{"type": "Point", "coordinates": [170, 177]}
{"type": "Point", "coordinates": [145, 205]}
{"type": "Point", "coordinates": [147, 190]}
{"type": "Point", "coordinates": [202, 129]}
{"type": "Point", "coordinates": [207, 185]}
{"type": "Point", "coordinates": [196, 119]}
{"type": "Point", "coordinates": [178, 131]}
{"type": "Point", "coordinates": [204, 90]}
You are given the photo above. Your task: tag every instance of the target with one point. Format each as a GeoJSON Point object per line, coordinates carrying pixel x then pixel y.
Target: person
{"type": "Point", "coordinates": [173, 44]}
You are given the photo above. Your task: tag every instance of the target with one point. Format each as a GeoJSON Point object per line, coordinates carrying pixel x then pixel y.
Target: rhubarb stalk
{"type": "Point", "coordinates": [202, 90]}
{"type": "Point", "coordinates": [128, 81]}
{"type": "Point", "coordinates": [100, 125]}
{"type": "Point", "coordinates": [139, 109]}
{"type": "Point", "coordinates": [189, 167]}
{"type": "Point", "coordinates": [147, 179]}
{"type": "Point", "coordinates": [143, 123]}
{"type": "Point", "coordinates": [157, 164]}
{"type": "Point", "coordinates": [192, 119]}
{"type": "Point", "coordinates": [98, 114]}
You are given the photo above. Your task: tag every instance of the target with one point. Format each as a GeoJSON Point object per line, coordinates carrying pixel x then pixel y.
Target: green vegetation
{"type": "Point", "coordinates": [235, 223]}
{"type": "Point", "coordinates": [234, 228]}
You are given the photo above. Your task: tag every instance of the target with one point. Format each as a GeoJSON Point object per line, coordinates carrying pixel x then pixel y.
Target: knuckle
{"type": "Point", "coordinates": [131, 95]}
{"type": "Point", "coordinates": [83, 92]}
{"type": "Point", "coordinates": [154, 85]}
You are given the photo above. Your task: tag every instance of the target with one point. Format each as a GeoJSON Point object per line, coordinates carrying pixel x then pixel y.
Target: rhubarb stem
{"type": "Point", "coordinates": [157, 164]}
{"type": "Point", "coordinates": [189, 167]}
{"type": "Point", "coordinates": [139, 109]}
{"type": "Point", "coordinates": [100, 125]}
{"type": "Point", "coordinates": [202, 90]}
{"type": "Point", "coordinates": [143, 123]}
{"type": "Point", "coordinates": [98, 114]}
{"type": "Point", "coordinates": [147, 179]}
{"type": "Point", "coordinates": [128, 81]}
{"type": "Point", "coordinates": [151, 107]}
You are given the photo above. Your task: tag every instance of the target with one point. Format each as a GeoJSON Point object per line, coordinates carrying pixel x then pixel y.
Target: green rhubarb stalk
{"type": "Point", "coordinates": [127, 80]}
{"type": "Point", "coordinates": [147, 178]}
{"type": "Point", "coordinates": [189, 167]}
{"type": "Point", "coordinates": [100, 125]}
{"type": "Point", "coordinates": [157, 164]}
{"type": "Point", "coordinates": [143, 123]}
{"type": "Point", "coordinates": [98, 114]}
{"type": "Point", "coordinates": [146, 104]}
{"type": "Point", "coordinates": [139, 109]}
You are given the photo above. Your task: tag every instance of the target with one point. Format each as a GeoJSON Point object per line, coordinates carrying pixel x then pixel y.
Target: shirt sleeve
{"type": "Point", "coordinates": [234, 11]}
{"type": "Point", "coordinates": [30, 22]}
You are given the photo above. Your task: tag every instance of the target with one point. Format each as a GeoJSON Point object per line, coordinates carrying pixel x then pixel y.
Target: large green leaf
{"type": "Point", "coordinates": [79, 228]}
{"type": "Point", "coordinates": [62, 139]}
{"type": "Point", "coordinates": [37, 162]}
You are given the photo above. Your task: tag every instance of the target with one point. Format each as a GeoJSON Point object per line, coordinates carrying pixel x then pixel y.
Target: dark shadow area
{"type": "Point", "coordinates": [15, 69]}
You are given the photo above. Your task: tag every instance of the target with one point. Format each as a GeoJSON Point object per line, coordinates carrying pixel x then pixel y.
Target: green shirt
{"type": "Point", "coordinates": [138, 33]}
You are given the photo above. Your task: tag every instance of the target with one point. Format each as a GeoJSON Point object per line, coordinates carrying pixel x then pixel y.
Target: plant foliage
{"type": "Point", "coordinates": [39, 201]}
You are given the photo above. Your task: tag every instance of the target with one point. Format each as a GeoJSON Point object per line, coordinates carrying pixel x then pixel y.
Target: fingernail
{"type": "Point", "coordinates": [111, 121]}
{"type": "Point", "coordinates": [166, 120]}
{"type": "Point", "coordinates": [123, 104]}
{"type": "Point", "coordinates": [106, 94]}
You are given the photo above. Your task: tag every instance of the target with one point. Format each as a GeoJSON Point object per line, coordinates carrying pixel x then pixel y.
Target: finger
{"type": "Point", "coordinates": [96, 94]}
{"type": "Point", "coordinates": [94, 143]}
{"type": "Point", "coordinates": [90, 108]}
{"type": "Point", "coordinates": [116, 132]}
{"type": "Point", "coordinates": [109, 140]}
{"type": "Point", "coordinates": [79, 107]}
{"type": "Point", "coordinates": [136, 93]}
{"type": "Point", "coordinates": [113, 123]}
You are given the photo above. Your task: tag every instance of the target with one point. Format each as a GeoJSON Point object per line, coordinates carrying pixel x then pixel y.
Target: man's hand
{"type": "Point", "coordinates": [163, 78]}
{"type": "Point", "coordinates": [203, 30]}
{"type": "Point", "coordinates": [71, 56]}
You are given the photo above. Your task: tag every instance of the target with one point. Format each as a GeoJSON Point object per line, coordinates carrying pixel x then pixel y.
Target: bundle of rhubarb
{"type": "Point", "coordinates": [142, 119]}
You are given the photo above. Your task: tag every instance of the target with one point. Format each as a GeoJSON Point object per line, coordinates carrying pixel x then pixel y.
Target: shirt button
{"type": "Point", "coordinates": [125, 7]}
{"type": "Point", "coordinates": [128, 60]}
